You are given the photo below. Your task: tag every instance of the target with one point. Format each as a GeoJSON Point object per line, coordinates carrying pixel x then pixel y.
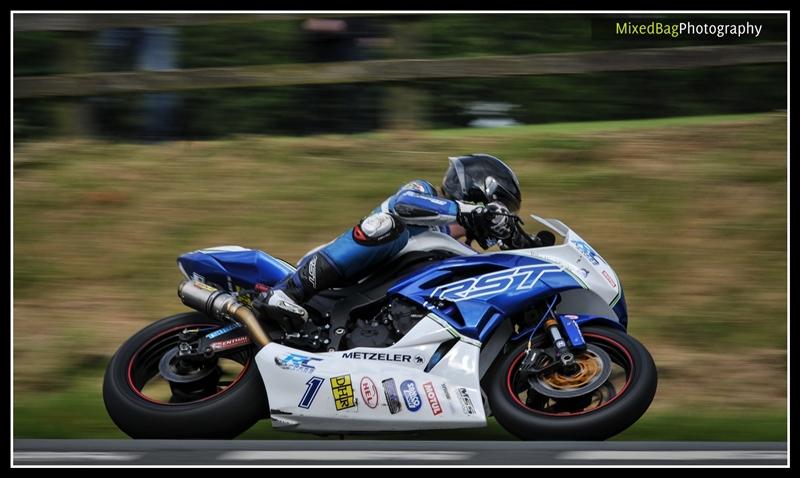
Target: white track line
{"type": "Point", "coordinates": [345, 455]}
{"type": "Point", "coordinates": [673, 455]}
{"type": "Point", "coordinates": [74, 456]}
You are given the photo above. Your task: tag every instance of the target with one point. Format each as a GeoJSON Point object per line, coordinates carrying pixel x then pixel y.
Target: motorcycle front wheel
{"type": "Point", "coordinates": [616, 371]}
{"type": "Point", "coordinates": [215, 400]}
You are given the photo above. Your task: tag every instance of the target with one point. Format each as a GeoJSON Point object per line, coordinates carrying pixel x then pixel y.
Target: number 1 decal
{"type": "Point", "coordinates": [311, 392]}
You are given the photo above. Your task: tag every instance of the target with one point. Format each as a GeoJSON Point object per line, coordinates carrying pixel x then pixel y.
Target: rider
{"type": "Point", "coordinates": [478, 193]}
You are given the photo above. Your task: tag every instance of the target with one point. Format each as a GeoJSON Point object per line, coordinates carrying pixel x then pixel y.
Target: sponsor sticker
{"type": "Point", "coordinates": [297, 362]}
{"type": "Point", "coordinates": [387, 357]}
{"type": "Point", "coordinates": [369, 392]}
{"type": "Point", "coordinates": [230, 343]}
{"type": "Point", "coordinates": [609, 279]}
{"type": "Point", "coordinates": [587, 251]}
{"type": "Point", "coordinates": [392, 399]}
{"type": "Point", "coordinates": [312, 387]}
{"type": "Point", "coordinates": [342, 390]}
{"type": "Point", "coordinates": [410, 395]}
{"type": "Point", "coordinates": [223, 330]}
{"type": "Point", "coordinates": [433, 400]}
{"type": "Point", "coordinates": [466, 402]}
{"type": "Point", "coordinates": [446, 392]}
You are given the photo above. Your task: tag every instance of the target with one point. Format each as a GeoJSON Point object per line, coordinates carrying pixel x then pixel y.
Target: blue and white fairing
{"type": "Point", "coordinates": [476, 293]}
{"type": "Point", "coordinates": [230, 267]}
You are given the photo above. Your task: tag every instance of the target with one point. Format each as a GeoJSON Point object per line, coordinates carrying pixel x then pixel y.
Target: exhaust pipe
{"type": "Point", "coordinates": [216, 303]}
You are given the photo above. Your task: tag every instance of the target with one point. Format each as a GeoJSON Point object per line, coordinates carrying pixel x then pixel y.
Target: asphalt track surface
{"type": "Point", "coordinates": [392, 453]}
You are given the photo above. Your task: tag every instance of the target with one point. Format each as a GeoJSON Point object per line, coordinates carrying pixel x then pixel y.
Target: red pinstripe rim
{"type": "Point", "coordinates": [629, 375]}
{"type": "Point", "coordinates": [138, 392]}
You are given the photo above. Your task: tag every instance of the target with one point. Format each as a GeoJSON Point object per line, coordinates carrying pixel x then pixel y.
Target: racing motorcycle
{"type": "Point", "coordinates": [441, 337]}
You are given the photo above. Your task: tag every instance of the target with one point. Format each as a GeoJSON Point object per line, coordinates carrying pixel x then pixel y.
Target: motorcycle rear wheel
{"type": "Point", "coordinates": [605, 411]}
{"type": "Point", "coordinates": [206, 408]}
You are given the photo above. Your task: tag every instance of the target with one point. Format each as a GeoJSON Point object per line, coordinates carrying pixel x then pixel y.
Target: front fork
{"type": "Point", "coordinates": [561, 353]}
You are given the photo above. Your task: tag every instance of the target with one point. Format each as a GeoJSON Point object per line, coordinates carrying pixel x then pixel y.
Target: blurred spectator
{"type": "Point", "coordinates": [126, 49]}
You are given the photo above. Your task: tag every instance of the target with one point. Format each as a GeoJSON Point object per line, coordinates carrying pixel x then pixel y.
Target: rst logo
{"type": "Point", "coordinates": [410, 395]}
{"type": "Point", "coordinates": [369, 392]}
{"type": "Point", "coordinates": [518, 278]}
{"type": "Point", "coordinates": [433, 400]}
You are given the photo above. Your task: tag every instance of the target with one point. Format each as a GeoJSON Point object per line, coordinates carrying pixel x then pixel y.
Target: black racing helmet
{"type": "Point", "coordinates": [482, 178]}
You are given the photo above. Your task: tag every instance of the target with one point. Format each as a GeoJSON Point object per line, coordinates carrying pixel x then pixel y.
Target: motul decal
{"type": "Point", "coordinates": [433, 400]}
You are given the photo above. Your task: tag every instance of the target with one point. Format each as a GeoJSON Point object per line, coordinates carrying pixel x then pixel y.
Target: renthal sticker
{"type": "Point", "coordinates": [392, 399]}
{"type": "Point", "coordinates": [297, 362]}
{"type": "Point", "coordinates": [609, 279]}
{"type": "Point", "coordinates": [312, 387]}
{"type": "Point", "coordinates": [377, 356]}
{"type": "Point", "coordinates": [342, 390]}
{"type": "Point", "coordinates": [223, 330]}
{"type": "Point", "coordinates": [433, 400]}
{"type": "Point", "coordinates": [230, 343]}
{"type": "Point", "coordinates": [410, 395]}
{"type": "Point", "coordinates": [369, 392]}
{"type": "Point", "coordinates": [466, 402]}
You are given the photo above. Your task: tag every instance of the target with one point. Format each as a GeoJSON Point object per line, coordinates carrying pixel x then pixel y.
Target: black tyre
{"type": "Point", "coordinates": [531, 412]}
{"type": "Point", "coordinates": [226, 398]}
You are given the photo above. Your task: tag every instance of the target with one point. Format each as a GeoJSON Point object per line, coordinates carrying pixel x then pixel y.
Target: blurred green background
{"type": "Point", "coordinates": [677, 177]}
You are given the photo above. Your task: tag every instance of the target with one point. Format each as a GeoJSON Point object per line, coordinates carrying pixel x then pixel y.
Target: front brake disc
{"type": "Point", "coordinates": [593, 369]}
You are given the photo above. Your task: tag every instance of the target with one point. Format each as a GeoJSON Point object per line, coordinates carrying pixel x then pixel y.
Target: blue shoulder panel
{"type": "Point", "coordinates": [475, 293]}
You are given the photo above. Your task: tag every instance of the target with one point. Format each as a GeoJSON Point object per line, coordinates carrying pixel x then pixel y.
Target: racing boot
{"type": "Point", "coordinates": [315, 273]}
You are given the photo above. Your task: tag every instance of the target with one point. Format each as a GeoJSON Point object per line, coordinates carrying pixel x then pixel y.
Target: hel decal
{"type": "Point", "coordinates": [369, 392]}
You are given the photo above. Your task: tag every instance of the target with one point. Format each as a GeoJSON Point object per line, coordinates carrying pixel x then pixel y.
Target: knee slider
{"type": "Point", "coordinates": [378, 228]}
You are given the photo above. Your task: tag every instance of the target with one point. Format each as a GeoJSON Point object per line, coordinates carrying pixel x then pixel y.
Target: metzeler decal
{"type": "Point", "coordinates": [377, 356]}
{"type": "Point", "coordinates": [342, 390]}
{"type": "Point", "coordinates": [369, 392]}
